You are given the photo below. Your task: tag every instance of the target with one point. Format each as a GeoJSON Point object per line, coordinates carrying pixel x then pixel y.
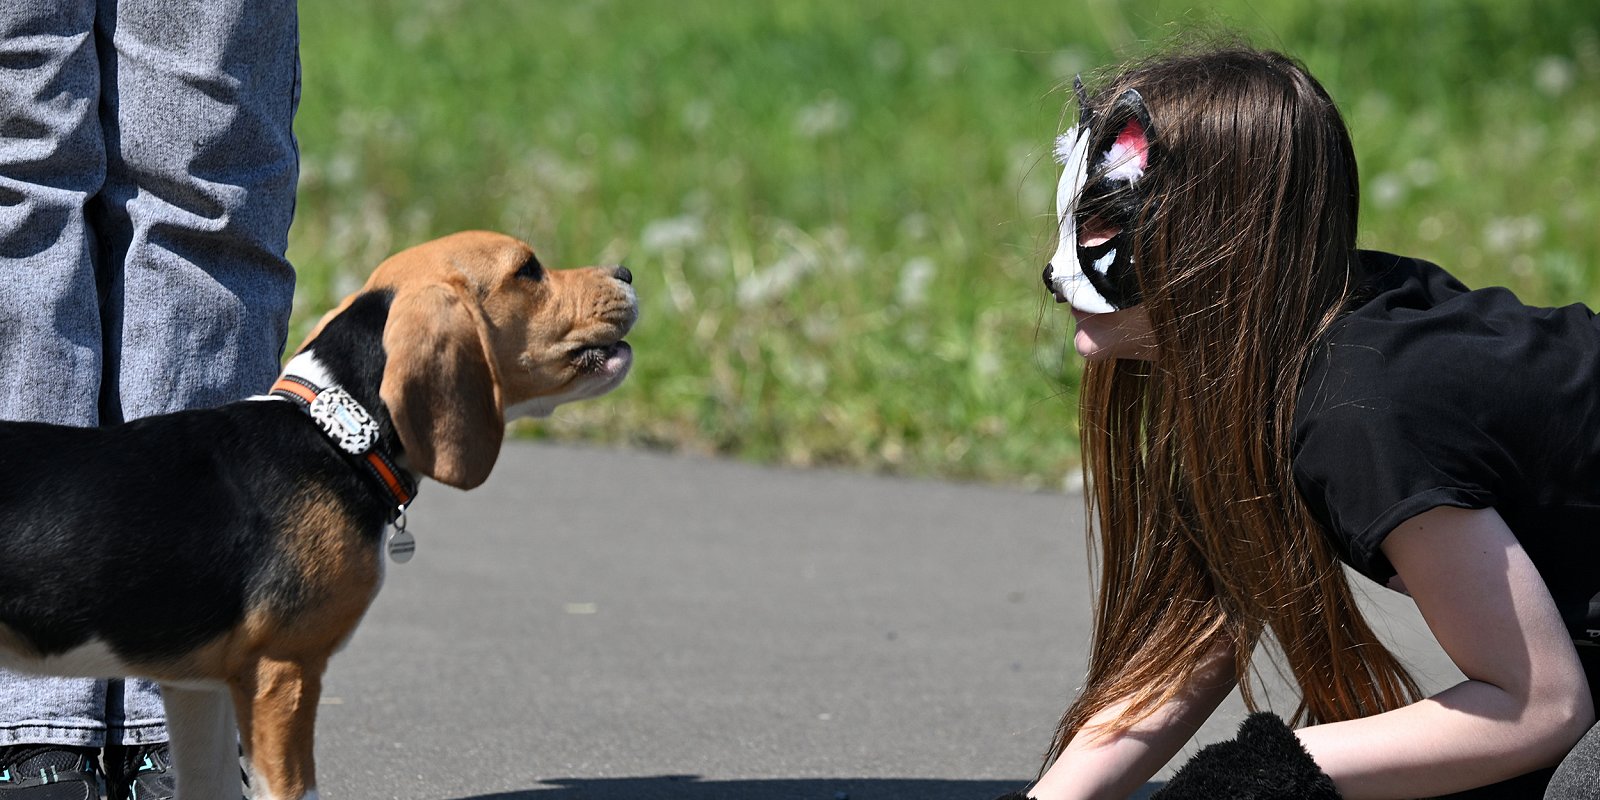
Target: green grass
{"type": "Point", "coordinates": [837, 210]}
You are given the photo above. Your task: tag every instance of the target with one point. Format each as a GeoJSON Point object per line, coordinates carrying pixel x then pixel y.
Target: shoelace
{"type": "Point", "coordinates": [148, 762]}
{"type": "Point", "coordinates": [154, 759]}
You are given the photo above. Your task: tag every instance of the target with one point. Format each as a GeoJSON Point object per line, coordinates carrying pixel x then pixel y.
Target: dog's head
{"type": "Point", "coordinates": [480, 333]}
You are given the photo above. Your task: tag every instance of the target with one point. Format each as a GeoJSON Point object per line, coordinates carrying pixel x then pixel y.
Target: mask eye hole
{"type": "Point", "coordinates": [1096, 231]}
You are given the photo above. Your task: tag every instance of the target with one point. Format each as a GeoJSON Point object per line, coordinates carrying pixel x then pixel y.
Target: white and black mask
{"type": "Point", "coordinates": [1099, 208]}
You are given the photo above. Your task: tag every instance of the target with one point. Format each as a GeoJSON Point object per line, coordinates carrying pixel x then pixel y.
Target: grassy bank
{"type": "Point", "coordinates": [837, 211]}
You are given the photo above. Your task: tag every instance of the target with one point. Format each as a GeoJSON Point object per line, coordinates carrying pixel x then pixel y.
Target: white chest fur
{"type": "Point", "coordinates": [92, 659]}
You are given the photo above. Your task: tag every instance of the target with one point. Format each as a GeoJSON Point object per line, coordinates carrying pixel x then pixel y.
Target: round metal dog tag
{"type": "Point", "coordinates": [402, 545]}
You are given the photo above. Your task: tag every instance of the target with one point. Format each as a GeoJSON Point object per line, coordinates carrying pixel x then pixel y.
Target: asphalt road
{"type": "Point", "coordinates": [616, 625]}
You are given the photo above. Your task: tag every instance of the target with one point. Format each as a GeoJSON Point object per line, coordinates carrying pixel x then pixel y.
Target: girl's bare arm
{"type": "Point", "coordinates": [1114, 766]}
{"type": "Point", "coordinates": [1525, 701]}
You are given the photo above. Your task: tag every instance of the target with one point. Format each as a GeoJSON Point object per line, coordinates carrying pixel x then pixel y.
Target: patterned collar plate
{"type": "Point", "coordinates": [344, 420]}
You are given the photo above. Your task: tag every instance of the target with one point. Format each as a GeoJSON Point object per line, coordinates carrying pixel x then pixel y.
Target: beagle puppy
{"type": "Point", "coordinates": [226, 553]}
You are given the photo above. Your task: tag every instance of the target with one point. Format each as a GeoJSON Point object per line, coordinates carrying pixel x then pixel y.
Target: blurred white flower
{"type": "Point", "coordinates": [1387, 190]}
{"type": "Point", "coordinates": [915, 277]}
{"type": "Point", "coordinates": [827, 115]}
{"type": "Point", "coordinates": [820, 328]}
{"type": "Point", "coordinates": [915, 226]}
{"type": "Point", "coordinates": [986, 363]}
{"type": "Point", "coordinates": [804, 371]}
{"type": "Point", "coordinates": [673, 233]}
{"type": "Point", "coordinates": [555, 174]}
{"type": "Point", "coordinates": [696, 116]}
{"type": "Point", "coordinates": [624, 151]}
{"type": "Point", "coordinates": [776, 278]}
{"type": "Point", "coordinates": [1422, 171]}
{"type": "Point", "coordinates": [1509, 234]}
{"type": "Point", "coordinates": [943, 62]}
{"type": "Point", "coordinates": [1553, 75]}
{"type": "Point", "coordinates": [715, 262]}
{"type": "Point", "coordinates": [1583, 130]}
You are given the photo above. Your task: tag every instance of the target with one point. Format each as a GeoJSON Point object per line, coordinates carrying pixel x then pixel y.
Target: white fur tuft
{"type": "Point", "coordinates": [1122, 163]}
{"type": "Point", "coordinates": [305, 365]}
{"type": "Point", "coordinates": [1064, 145]}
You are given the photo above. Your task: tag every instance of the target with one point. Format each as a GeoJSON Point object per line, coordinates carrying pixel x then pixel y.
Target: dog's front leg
{"type": "Point", "coordinates": [204, 743]}
{"type": "Point", "coordinates": [277, 708]}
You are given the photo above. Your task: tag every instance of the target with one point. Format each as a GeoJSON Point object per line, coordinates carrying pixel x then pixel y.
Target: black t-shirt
{"type": "Point", "coordinates": [1429, 394]}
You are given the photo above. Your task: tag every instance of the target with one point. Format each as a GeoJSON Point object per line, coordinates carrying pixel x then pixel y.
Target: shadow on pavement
{"type": "Point", "coordinates": [691, 787]}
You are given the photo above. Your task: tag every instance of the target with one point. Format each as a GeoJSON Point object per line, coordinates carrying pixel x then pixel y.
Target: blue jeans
{"type": "Point", "coordinates": [147, 178]}
{"type": "Point", "coordinates": [1578, 777]}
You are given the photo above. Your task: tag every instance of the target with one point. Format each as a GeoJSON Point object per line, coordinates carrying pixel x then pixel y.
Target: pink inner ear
{"type": "Point", "coordinates": [1132, 138]}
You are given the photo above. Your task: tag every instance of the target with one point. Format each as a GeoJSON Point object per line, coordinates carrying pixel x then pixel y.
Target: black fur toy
{"type": "Point", "coordinates": [1264, 762]}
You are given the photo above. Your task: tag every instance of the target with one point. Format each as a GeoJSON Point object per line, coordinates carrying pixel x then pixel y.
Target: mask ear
{"type": "Point", "coordinates": [440, 388]}
{"type": "Point", "coordinates": [1123, 157]}
{"type": "Point", "coordinates": [1085, 111]}
{"type": "Point", "coordinates": [1076, 138]}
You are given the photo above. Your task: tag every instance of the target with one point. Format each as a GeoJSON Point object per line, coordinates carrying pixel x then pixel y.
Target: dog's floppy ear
{"type": "Point", "coordinates": [439, 385]}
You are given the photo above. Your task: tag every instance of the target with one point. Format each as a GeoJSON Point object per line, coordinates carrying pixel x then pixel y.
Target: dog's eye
{"type": "Point", "coordinates": [532, 270]}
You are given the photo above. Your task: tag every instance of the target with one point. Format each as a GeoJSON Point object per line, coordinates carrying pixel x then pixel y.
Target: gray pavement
{"type": "Point", "coordinates": [617, 625]}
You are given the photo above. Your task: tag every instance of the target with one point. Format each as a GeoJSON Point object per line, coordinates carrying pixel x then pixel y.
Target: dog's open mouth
{"type": "Point", "coordinates": [605, 358]}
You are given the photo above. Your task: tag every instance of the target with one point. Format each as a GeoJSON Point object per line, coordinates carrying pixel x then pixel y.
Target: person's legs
{"type": "Point", "coordinates": [198, 199]}
{"type": "Point", "coordinates": [199, 100]}
{"type": "Point", "coordinates": [52, 160]}
{"type": "Point", "coordinates": [181, 254]}
{"type": "Point", "coordinates": [1578, 776]}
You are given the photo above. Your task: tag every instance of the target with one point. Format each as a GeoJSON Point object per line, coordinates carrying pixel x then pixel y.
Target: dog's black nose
{"type": "Point", "coordinates": [1047, 283]}
{"type": "Point", "coordinates": [622, 274]}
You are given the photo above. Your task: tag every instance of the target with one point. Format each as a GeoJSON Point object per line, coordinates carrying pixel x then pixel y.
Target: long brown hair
{"type": "Point", "coordinates": [1245, 254]}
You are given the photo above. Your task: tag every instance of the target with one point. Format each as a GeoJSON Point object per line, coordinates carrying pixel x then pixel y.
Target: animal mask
{"type": "Point", "coordinates": [1097, 210]}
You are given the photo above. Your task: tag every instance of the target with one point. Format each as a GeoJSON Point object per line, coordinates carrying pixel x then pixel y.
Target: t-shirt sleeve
{"type": "Point", "coordinates": [1383, 439]}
